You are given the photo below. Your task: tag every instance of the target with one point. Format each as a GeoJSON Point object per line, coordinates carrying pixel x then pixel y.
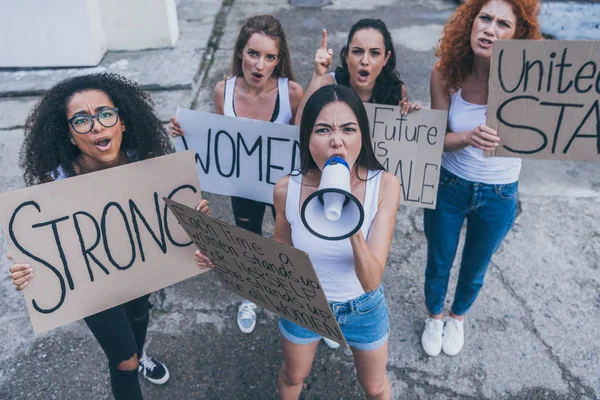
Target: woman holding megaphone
{"type": "Point", "coordinates": [262, 87]}
{"type": "Point", "coordinates": [335, 126]}
{"type": "Point", "coordinates": [368, 66]}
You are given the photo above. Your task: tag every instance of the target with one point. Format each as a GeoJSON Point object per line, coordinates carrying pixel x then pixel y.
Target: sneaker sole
{"type": "Point", "coordinates": [333, 346]}
{"type": "Point", "coordinates": [451, 354]}
{"type": "Point", "coordinates": [160, 381]}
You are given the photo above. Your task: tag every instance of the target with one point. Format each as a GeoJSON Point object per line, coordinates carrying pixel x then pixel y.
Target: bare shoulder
{"type": "Point", "coordinates": [295, 93]}
{"type": "Point", "coordinates": [437, 75]}
{"type": "Point", "coordinates": [219, 91]}
{"type": "Point", "coordinates": [280, 190]}
{"type": "Point", "coordinates": [389, 180]}
{"type": "Point", "coordinates": [295, 89]}
{"type": "Point", "coordinates": [440, 99]}
{"type": "Point", "coordinates": [389, 188]}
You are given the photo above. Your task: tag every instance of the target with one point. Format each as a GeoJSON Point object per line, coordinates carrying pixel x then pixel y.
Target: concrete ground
{"type": "Point", "coordinates": [532, 334]}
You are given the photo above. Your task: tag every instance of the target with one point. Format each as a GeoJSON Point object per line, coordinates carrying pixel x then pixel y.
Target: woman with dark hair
{"type": "Point", "coordinates": [262, 87]}
{"type": "Point", "coordinates": [335, 123]}
{"type": "Point", "coordinates": [482, 190]}
{"type": "Point", "coordinates": [368, 66]}
{"type": "Point", "coordinates": [82, 125]}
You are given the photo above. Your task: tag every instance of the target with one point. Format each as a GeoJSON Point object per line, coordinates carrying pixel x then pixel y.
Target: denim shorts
{"type": "Point", "coordinates": [363, 321]}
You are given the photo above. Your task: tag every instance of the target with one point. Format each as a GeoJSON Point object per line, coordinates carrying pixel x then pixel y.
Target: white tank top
{"type": "Point", "coordinates": [470, 163]}
{"type": "Point", "coordinates": [333, 76]}
{"type": "Point", "coordinates": [333, 260]}
{"type": "Point", "coordinates": [284, 114]}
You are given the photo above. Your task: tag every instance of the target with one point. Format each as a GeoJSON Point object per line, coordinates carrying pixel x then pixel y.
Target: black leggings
{"type": "Point", "coordinates": [249, 214]}
{"type": "Point", "coordinates": [121, 332]}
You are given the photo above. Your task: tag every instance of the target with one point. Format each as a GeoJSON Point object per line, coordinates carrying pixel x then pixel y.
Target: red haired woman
{"type": "Point", "coordinates": [481, 190]}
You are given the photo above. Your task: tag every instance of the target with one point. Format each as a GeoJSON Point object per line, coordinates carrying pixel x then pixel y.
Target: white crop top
{"type": "Point", "coordinates": [283, 109]}
{"type": "Point", "coordinates": [470, 163]}
{"type": "Point", "coordinates": [333, 260]}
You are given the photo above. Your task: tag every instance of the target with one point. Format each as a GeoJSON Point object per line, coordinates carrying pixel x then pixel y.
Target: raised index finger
{"type": "Point", "coordinates": [324, 40]}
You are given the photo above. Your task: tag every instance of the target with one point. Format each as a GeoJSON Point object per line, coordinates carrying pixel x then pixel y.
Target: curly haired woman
{"type": "Point", "coordinates": [481, 190]}
{"type": "Point", "coordinates": [86, 124]}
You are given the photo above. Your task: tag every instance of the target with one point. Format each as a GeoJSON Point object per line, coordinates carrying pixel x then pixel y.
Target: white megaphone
{"type": "Point", "coordinates": [333, 212]}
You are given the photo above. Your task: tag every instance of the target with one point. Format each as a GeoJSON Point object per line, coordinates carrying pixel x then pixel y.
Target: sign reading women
{"type": "Point", "coordinates": [544, 99]}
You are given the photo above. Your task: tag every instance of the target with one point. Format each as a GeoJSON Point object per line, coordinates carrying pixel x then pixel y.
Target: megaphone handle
{"type": "Point", "coordinates": [320, 197]}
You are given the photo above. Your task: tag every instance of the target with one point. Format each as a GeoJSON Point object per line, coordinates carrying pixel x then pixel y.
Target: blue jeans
{"type": "Point", "coordinates": [490, 211]}
{"type": "Point", "coordinates": [363, 321]}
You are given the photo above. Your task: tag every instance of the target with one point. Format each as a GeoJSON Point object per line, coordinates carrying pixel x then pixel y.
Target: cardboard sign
{"type": "Point", "coordinates": [280, 278]}
{"type": "Point", "coordinates": [238, 156]}
{"type": "Point", "coordinates": [245, 158]}
{"type": "Point", "coordinates": [411, 148]}
{"type": "Point", "coordinates": [101, 239]}
{"type": "Point", "coordinates": [544, 99]}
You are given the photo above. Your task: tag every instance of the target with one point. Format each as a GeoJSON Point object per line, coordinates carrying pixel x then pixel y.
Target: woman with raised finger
{"type": "Point", "coordinates": [261, 87]}
{"type": "Point", "coordinates": [82, 125]}
{"type": "Point", "coordinates": [368, 66]}
{"type": "Point", "coordinates": [482, 190]}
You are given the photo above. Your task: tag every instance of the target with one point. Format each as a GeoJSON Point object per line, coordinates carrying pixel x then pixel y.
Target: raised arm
{"type": "Point", "coordinates": [320, 78]}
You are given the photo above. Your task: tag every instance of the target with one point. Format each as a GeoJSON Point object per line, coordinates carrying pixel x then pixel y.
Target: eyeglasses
{"type": "Point", "coordinates": [83, 124]}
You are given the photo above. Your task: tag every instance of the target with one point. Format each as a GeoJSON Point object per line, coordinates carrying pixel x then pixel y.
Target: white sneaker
{"type": "Point", "coordinates": [454, 336]}
{"type": "Point", "coordinates": [431, 340]}
{"type": "Point", "coordinates": [246, 318]}
{"type": "Point", "coordinates": [330, 343]}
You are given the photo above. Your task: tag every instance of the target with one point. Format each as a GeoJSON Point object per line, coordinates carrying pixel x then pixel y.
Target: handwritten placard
{"type": "Point", "coordinates": [410, 147]}
{"type": "Point", "coordinates": [544, 99]}
{"type": "Point", "coordinates": [101, 239]}
{"type": "Point", "coordinates": [280, 278]}
{"type": "Point", "coordinates": [238, 156]}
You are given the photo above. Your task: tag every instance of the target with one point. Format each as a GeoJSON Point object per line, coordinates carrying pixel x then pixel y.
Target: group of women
{"type": "Point", "coordinates": [94, 122]}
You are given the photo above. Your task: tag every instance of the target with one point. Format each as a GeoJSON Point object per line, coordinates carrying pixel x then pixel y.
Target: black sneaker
{"type": "Point", "coordinates": [153, 370]}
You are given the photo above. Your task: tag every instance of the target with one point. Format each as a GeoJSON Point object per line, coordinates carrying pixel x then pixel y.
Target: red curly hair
{"type": "Point", "coordinates": [454, 48]}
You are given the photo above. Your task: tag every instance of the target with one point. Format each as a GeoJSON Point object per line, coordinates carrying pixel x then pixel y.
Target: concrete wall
{"type": "Point", "coordinates": [35, 33]}
{"type": "Point", "coordinates": [139, 24]}
{"type": "Point", "coordinates": [76, 33]}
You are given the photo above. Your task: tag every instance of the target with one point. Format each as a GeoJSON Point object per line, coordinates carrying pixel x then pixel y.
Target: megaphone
{"type": "Point", "coordinates": [333, 212]}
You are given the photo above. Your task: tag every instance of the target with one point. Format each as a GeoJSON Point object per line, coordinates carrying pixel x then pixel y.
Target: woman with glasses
{"type": "Point", "coordinates": [82, 125]}
{"type": "Point", "coordinates": [261, 87]}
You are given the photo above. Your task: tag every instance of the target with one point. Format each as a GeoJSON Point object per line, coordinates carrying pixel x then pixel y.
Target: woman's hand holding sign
{"type": "Point", "coordinates": [201, 259]}
{"type": "Point", "coordinates": [483, 137]}
{"type": "Point", "coordinates": [408, 106]}
{"type": "Point", "coordinates": [21, 274]}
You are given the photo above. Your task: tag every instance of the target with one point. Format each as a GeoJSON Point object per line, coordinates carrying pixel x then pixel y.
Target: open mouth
{"type": "Point", "coordinates": [486, 42]}
{"type": "Point", "coordinates": [256, 75]}
{"type": "Point", "coordinates": [363, 73]}
{"type": "Point", "coordinates": [102, 142]}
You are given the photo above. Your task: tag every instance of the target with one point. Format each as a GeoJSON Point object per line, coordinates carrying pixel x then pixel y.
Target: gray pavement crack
{"type": "Point", "coordinates": [577, 388]}
{"type": "Point", "coordinates": [208, 57]}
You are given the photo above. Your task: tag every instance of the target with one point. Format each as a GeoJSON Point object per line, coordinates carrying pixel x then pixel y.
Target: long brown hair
{"type": "Point", "coordinates": [454, 48]}
{"type": "Point", "coordinates": [271, 27]}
